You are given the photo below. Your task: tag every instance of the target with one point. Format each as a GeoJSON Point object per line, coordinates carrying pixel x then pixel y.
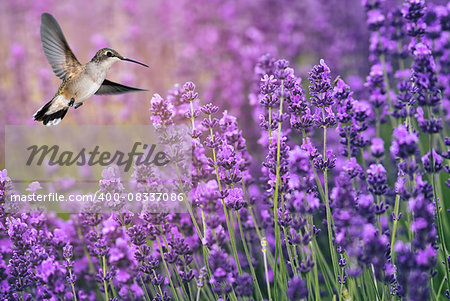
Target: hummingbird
{"type": "Point", "coordinates": [79, 81]}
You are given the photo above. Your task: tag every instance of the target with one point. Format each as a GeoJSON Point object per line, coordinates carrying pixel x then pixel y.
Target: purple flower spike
{"type": "Point", "coordinates": [162, 111]}
{"type": "Point", "coordinates": [377, 147]}
{"type": "Point", "coordinates": [297, 289]}
{"type": "Point", "coordinates": [377, 179]}
{"type": "Point", "coordinates": [320, 88]}
{"type": "Point", "coordinates": [404, 143]}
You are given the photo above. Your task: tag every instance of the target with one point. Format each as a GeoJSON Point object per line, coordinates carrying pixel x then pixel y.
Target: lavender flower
{"type": "Point", "coordinates": [377, 147]}
{"type": "Point", "coordinates": [413, 11]}
{"type": "Point", "coordinates": [377, 179]}
{"type": "Point", "coordinates": [424, 76]}
{"type": "Point", "coordinates": [161, 111]}
{"type": "Point", "coordinates": [244, 285]}
{"type": "Point", "coordinates": [297, 289]}
{"type": "Point", "coordinates": [376, 85]}
{"type": "Point", "coordinates": [404, 143]}
{"type": "Point", "coordinates": [320, 88]}
{"type": "Point", "coordinates": [222, 273]}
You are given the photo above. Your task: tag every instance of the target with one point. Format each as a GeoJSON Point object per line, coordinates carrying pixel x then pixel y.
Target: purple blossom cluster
{"type": "Point", "coordinates": [311, 186]}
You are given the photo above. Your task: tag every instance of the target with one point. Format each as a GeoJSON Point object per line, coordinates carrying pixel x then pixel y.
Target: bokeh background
{"type": "Point", "coordinates": [215, 43]}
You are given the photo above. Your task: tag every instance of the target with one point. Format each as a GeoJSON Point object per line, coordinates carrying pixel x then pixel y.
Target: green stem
{"type": "Point", "coordinates": [105, 285]}
{"type": "Point", "coordinates": [158, 286]}
{"type": "Point", "coordinates": [249, 258]}
{"type": "Point", "coordinates": [197, 298]}
{"type": "Point", "coordinates": [438, 212]}
{"type": "Point", "coordinates": [147, 297]}
{"type": "Point", "coordinates": [113, 289]}
{"type": "Point", "coordinates": [375, 282]}
{"type": "Point", "coordinates": [227, 217]}
{"type": "Point", "coordinates": [441, 286]}
{"type": "Point", "coordinates": [85, 251]}
{"type": "Point", "coordinates": [172, 287]}
{"type": "Point", "coordinates": [313, 251]}
{"type": "Point", "coordinates": [73, 287]}
{"type": "Point", "coordinates": [278, 248]}
{"type": "Point", "coordinates": [270, 125]}
{"type": "Point", "coordinates": [291, 257]}
{"type": "Point", "coordinates": [266, 270]}
{"type": "Point", "coordinates": [192, 115]}
{"type": "Point", "coordinates": [185, 200]}
{"type": "Point", "coordinates": [327, 203]}
{"type": "Point", "coordinates": [341, 286]}
{"type": "Point", "coordinates": [394, 227]}
{"type": "Point", "coordinates": [316, 176]}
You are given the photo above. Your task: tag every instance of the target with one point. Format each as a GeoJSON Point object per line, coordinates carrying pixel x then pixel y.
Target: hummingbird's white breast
{"type": "Point", "coordinates": [84, 85]}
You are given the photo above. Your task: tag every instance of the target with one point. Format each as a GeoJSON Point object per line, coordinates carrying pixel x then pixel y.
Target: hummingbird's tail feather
{"type": "Point", "coordinates": [53, 111]}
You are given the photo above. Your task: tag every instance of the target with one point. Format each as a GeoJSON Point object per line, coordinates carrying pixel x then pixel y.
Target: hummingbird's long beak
{"type": "Point", "coordinates": [133, 61]}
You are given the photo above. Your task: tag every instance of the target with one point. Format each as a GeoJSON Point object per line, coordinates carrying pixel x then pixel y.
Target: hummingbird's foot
{"type": "Point", "coordinates": [76, 106]}
{"type": "Point", "coordinates": [71, 102]}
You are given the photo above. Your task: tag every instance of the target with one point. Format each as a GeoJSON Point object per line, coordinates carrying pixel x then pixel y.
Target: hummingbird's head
{"type": "Point", "coordinates": [107, 57]}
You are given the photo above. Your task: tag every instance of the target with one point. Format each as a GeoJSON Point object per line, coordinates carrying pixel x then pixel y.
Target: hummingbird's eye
{"type": "Point", "coordinates": [108, 53]}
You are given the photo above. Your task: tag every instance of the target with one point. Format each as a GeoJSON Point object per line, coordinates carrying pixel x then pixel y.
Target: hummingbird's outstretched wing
{"type": "Point", "coordinates": [56, 49]}
{"type": "Point", "coordinates": [109, 87]}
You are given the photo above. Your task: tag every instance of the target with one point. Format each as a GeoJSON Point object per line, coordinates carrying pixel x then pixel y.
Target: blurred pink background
{"type": "Point", "coordinates": [214, 43]}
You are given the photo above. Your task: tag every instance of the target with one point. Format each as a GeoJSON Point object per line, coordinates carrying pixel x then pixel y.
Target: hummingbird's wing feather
{"type": "Point", "coordinates": [109, 87]}
{"type": "Point", "coordinates": [56, 48]}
